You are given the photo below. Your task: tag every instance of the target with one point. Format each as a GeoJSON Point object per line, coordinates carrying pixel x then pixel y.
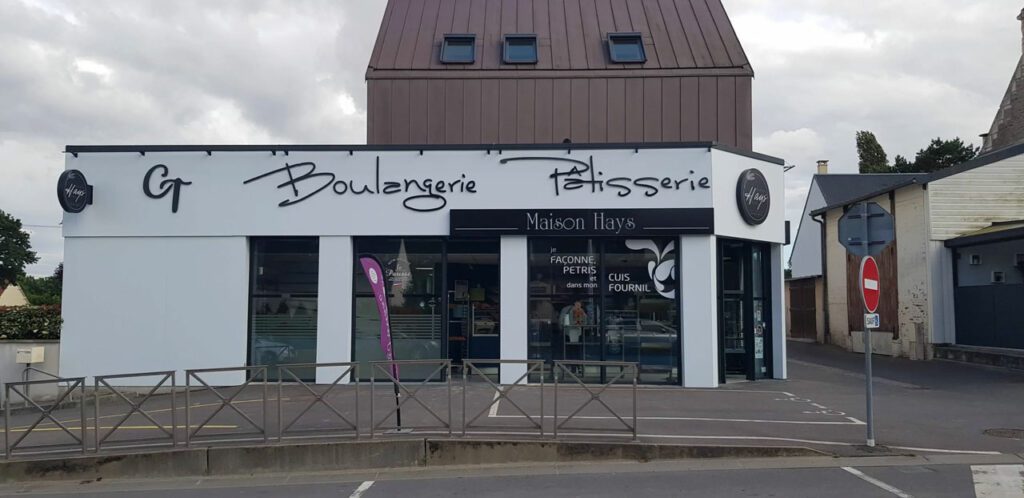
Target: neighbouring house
{"type": "Point", "coordinates": [952, 281]}
{"type": "Point", "coordinates": [805, 288]}
{"type": "Point", "coordinates": [12, 295]}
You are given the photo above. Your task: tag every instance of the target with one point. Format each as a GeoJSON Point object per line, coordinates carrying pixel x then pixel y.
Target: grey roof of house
{"type": "Point", "coordinates": [840, 190]}
{"type": "Point", "coordinates": [857, 189]}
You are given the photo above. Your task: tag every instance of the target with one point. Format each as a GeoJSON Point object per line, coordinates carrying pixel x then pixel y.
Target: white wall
{"type": "Point", "coordinates": [14, 372]}
{"type": "Point", "coordinates": [140, 304]}
{"type": "Point", "coordinates": [515, 260]}
{"type": "Point", "coordinates": [334, 307]}
{"type": "Point", "coordinates": [698, 270]}
{"type": "Point", "coordinates": [728, 221]}
{"type": "Point", "coordinates": [805, 259]}
{"type": "Point", "coordinates": [913, 265]}
{"type": "Point", "coordinates": [974, 199]}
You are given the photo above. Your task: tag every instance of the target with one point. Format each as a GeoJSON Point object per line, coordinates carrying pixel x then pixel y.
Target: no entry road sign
{"type": "Point", "coordinates": [869, 283]}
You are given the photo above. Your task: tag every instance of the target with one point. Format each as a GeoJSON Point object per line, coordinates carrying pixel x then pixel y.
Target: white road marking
{"type": "Point", "coordinates": [936, 450]}
{"type": "Point", "coordinates": [702, 419]}
{"type": "Point", "coordinates": [892, 489]}
{"type": "Point", "coordinates": [361, 489]}
{"type": "Point", "coordinates": [494, 407]}
{"type": "Point", "coordinates": [998, 481]}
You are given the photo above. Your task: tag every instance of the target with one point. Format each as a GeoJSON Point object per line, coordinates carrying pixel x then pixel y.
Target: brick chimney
{"type": "Point", "coordinates": [823, 165]}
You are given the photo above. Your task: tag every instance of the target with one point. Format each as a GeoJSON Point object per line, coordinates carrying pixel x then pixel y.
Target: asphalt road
{"type": "Point", "coordinates": [819, 478]}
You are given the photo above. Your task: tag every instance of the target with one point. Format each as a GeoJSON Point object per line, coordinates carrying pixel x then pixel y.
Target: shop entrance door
{"type": "Point", "coordinates": [473, 283]}
{"type": "Point", "coordinates": [744, 310]}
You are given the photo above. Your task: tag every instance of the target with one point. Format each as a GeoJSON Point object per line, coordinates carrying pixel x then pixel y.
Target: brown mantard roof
{"type": "Point", "coordinates": [691, 35]}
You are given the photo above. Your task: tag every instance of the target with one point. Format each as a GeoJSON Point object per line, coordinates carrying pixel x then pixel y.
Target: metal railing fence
{"type": "Point", "coordinates": [102, 383]}
{"type": "Point", "coordinates": [73, 383]}
{"type": "Point", "coordinates": [404, 394]}
{"type": "Point", "coordinates": [567, 368]}
{"type": "Point", "coordinates": [225, 401]}
{"type": "Point", "coordinates": [503, 391]}
{"type": "Point", "coordinates": [339, 400]}
{"type": "Point", "coordinates": [318, 397]}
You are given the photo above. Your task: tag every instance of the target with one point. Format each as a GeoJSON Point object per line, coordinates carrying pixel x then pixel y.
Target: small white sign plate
{"type": "Point", "coordinates": [872, 321]}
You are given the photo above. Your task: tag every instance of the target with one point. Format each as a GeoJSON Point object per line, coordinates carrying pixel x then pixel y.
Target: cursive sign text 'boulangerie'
{"type": "Point", "coordinates": [421, 195]}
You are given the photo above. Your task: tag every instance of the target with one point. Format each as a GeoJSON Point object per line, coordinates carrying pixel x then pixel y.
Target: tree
{"type": "Point", "coordinates": [15, 250]}
{"type": "Point", "coordinates": [871, 154]}
{"type": "Point", "coordinates": [938, 155]}
{"type": "Point", "coordinates": [40, 290]}
{"type": "Point", "coordinates": [58, 273]}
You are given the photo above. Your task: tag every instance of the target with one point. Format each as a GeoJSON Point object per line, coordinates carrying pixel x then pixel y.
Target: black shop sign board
{"type": "Point", "coordinates": [582, 222]}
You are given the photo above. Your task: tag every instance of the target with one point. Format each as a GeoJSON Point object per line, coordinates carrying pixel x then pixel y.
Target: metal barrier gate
{"type": "Point", "coordinates": [319, 398]}
{"type": "Point", "coordinates": [392, 372]}
{"type": "Point", "coordinates": [228, 401]}
{"type": "Point", "coordinates": [74, 383]}
{"type": "Point", "coordinates": [101, 383]}
{"type": "Point", "coordinates": [563, 367]}
{"type": "Point", "coordinates": [502, 392]}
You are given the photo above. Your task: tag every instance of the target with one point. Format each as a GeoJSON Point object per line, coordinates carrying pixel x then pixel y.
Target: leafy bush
{"type": "Point", "coordinates": [30, 323]}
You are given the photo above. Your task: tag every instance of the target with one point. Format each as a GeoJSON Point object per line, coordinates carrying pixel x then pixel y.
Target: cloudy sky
{"type": "Point", "coordinates": [291, 71]}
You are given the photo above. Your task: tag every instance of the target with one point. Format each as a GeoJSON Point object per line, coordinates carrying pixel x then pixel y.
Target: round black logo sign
{"type": "Point", "coordinates": [73, 192]}
{"type": "Point", "coordinates": [753, 197]}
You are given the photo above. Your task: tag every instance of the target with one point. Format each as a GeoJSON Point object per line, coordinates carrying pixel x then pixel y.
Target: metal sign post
{"type": "Point", "coordinates": [865, 230]}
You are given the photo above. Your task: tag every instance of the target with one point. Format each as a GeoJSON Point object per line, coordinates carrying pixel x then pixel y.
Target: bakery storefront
{"type": "Point", "coordinates": [194, 257]}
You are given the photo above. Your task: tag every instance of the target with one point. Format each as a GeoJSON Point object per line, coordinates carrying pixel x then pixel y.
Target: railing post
{"type": "Point", "coordinates": [554, 377]}
{"type": "Point", "coordinates": [7, 421]}
{"type": "Point", "coordinates": [174, 409]}
{"type": "Point", "coordinates": [96, 401]}
{"type": "Point", "coordinates": [85, 421]}
{"type": "Point", "coordinates": [465, 386]}
{"type": "Point", "coordinates": [280, 402]}
{"type": "Point", "coordinates": [188, 408]}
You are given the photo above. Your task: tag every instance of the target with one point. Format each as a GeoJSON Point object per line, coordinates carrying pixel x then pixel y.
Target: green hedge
{"type": "Point", "coordinates": [30, 323]}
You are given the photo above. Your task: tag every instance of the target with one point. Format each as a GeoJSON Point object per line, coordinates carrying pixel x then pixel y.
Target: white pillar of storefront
{"type": "Point", "coordinates": [778, 287]}
{"type": "Point", "coordinates": [514, 305]}
{"type": "Point", "coordinates": [334, 307]}
{"type": "Point", "coordinates": [698, 271]}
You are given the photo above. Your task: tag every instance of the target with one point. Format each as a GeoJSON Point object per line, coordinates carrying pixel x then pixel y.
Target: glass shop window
{"type": "Point", "coordinates": [283, 303]}
{"type": "Point", "coordinates": [413, 269]}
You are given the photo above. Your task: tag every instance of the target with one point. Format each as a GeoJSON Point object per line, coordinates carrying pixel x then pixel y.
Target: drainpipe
{"type": "Point", "coordinates": [824, 275]}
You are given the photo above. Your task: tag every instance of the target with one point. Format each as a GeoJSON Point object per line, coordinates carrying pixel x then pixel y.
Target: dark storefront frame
{"type": "Point", "coordinates": [601, 297]}
{"type": "Point", "coordinates": [747, 298]}
{"type": "Point", "coordinates": [285, 351]}
{"type": "Point", "coordinates": [442, 289]}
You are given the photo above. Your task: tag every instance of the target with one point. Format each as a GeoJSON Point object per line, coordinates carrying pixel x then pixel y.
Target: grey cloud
{"type": "Point", "coordinates": [193, 71]}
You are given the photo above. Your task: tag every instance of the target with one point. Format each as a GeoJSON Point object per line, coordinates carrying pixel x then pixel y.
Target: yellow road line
{"type": "Point", "coordinates": [127, 427]}
{"type": "Point", "coordinates": [159, 410]}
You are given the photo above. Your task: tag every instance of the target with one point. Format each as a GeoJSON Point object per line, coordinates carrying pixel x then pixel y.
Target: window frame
{"type": "Point", "coordinates": [520, 36]}
{"type": "Point", "coordinates": [452, 37]}
{"type": "Point", "coordinates": [621, 38]}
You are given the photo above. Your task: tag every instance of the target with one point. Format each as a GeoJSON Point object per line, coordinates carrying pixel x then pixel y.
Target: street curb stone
{"type": "Point", "coordinates": [361, 455]}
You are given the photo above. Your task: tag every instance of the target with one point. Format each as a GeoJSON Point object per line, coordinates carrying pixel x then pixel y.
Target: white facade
{"type": "Point", "coordinates": [147, 288]}
{"type": "Point", "coordinates": [805, 258]}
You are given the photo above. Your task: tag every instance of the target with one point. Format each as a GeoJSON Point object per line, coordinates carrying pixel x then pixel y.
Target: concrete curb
{"type": "Point", "coordinates": [361, 455]}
